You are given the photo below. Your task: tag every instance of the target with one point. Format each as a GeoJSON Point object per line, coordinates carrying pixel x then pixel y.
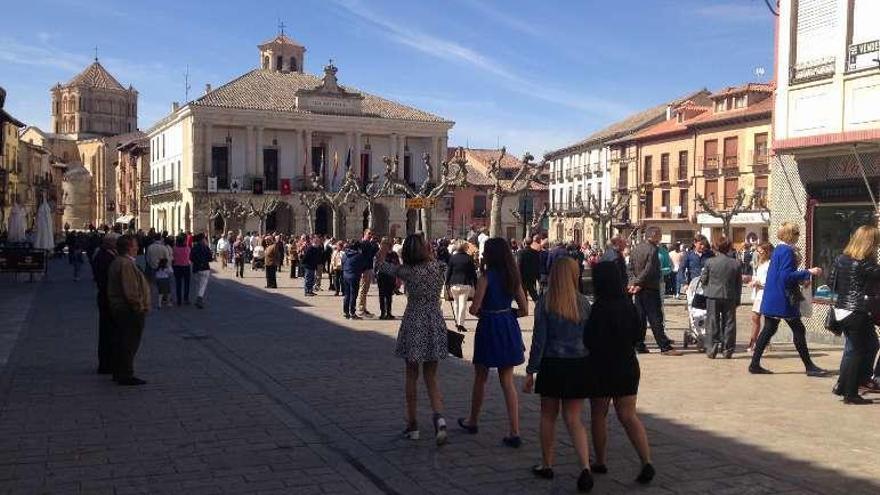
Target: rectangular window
{"type": "Point", "coordinates": [664, 167]}
{"type": "Point", "coordinates": [220, 166]}
{"type": "Point", "coordinates": [682, 165]}
{"type": "Point", "coordinates": [762, 190]}
{"type": "Point", "coordinates": [710, 154]}
{"type": "Point", "coordinates": [318, 160]}
{"type": "Point", "coordinates": [553, 199]}
{"type": "Point", "coordinates": [762, 151]}
{"type": "Point", "coordinates": [731, 152]}
{"type": "Point", "coordinates": [731, 187]}
{"type": "Point", "coordinates": [739, 101]}
{"type": "Point", "coordinates": [665, 204]}
{"type": "Point", "coordinates": [711, 192]}
{"type": "Point", "coordinates": [646, 172]}
{"type": "Point", "coordinates": [479, 207]}
{"type": "Point", "coordinates": [163, 145]}
{"type": "Point", "coordinates": [623, 180]}
{"type": "Point", "coordinates": [270, 169]}
{"type": "Point", "coordinates": [683, 202]}
{"type": "Point", "coordinates": [832, 226]}
{"type": "Point", "coordinates": [720, 105]}
{"type": "Point", "coordinates": [864, 34]}
{"type": "Point", "coordinates": [649, 205]}
{"type": "Point", "coordinates": [816, 22]}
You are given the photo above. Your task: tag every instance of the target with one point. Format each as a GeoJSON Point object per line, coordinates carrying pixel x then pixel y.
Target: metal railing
{"type": "Point", "coordinates": [682, 172]}
{"type": "Point", "coordinates": [160, 187]}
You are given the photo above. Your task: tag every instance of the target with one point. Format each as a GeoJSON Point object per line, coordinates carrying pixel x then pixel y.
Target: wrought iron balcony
{"type": "Point", "coordinates": [812, 70]}
{"type": "Point", "coordinates": [709, 165]}
{"type": "Point", "coordinates": [160, 187]}
{"type": "Point", "coordinates": [760, 162]}
{"type": "Point", "coordinates": [682, 173]}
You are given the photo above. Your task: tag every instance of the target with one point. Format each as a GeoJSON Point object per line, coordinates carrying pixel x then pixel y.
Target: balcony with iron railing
{"type": "Point", "coordinates": [663, 212]}
{"type": "Point", "coordinates": [664, 175]}
{"type": "Point", "coordinates": [730, 164]}
{"type": "Point", "coordinates": [578, 172]}
{"type": "Point", "coordinates": [709, 165]}
{"type": "Point", "coordinates": [682, 173]}
{"type": "Point", "coordinates": [623, 182]}
{"type": "Point", "coordinates": [159, 188]}
{"type": "Point", "coordinates": [760, 161]}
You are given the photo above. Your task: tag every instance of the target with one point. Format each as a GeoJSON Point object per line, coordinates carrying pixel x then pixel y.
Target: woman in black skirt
{"type": "Point", "coordinates": [611, 337]}
{"type": "Point", "coordinates": [559, 358]}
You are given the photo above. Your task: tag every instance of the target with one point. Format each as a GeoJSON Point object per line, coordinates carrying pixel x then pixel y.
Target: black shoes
{"type": "Point", "coordinates": [642, 349]}
{"type": "Point", "coordinates": [105, 371]}
{"type": "Point", "coordinates": [471, 429]}
{"type": "Point", "coordinates": [461, 328]}
{"type": "Point", "coordinates": [585, 481]}
{"type": "Point", "coordinates": [513, 442]}
{"type": "Point", "coordinates": [758, 370]}
{"type": "Point", "coordinates": [131, 381]}
{"type": "Point", "coordinates": [599, 468]}
{"type": "Point", "coordinates": [542, 472]}
{"type": "Point", "coordinates": [646, 475]}
{"type": "Point", "coordinates": [817, 372]}
{"type": "Point", "coordinates": [346, 316]}
{"type": "Point", "coordinates": [716, 348]}
{"type": "Point", "coordinates": [728, 354]}
{"type": "Point", "coordinates": [857, 400]}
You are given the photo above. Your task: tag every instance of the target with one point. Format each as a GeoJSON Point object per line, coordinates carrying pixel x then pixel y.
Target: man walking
{"type": "Point", "coordinates": [200, 257]}
{"type": "Point", "coordinates": [722, 286]}
{"type": "Point", "coordinates": [271, 264]}
{"type": "Point", "coordinates": [129, 295]}
{"type": "Point", "coordinates": [644, 285]}
{"type": "Point", "coordinates": [104, 257]}
{"type": "Point", "coordinates": [369, 248]}
{"type": "Point", "coordinates": [529, 262]}
{"type": "Point", "coordinates": [311, 260]}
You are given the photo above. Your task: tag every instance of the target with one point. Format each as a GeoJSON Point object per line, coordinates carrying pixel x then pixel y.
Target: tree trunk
{"type": "Point", "coordinates": [425, 219]}
{"type": "Point", "coordinates": [225, 224]}
{"type": "Point", "coordinates": [602, 233]}
{"type": "Point", "coordinates": [726, 223]}
{"type": "Point", "coordinates": [337, 223]}
{"type": "Point", "coordinates": [495, 215]}
{"type": "Point", "coordinates": [310, 218]}
{"type": "Point", "coordinates": [371, 220]}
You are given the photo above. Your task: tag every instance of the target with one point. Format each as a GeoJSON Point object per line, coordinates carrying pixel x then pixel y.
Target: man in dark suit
{"type": "Point", "coordinates": [644, 284]}
{"type": "Point", "coordinates": [104, 256]}
{"type": "Point", "coordinates": [529, 262]}
{"type": "Point", "coordinates": [722, 286]}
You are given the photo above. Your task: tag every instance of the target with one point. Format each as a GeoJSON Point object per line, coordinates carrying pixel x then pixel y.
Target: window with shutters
{"type": "Point", "coordinates": [761, 191]}
{"type": "Point", "coordinates": [649, 205]}
{"type": "Point", "coordinates": [731, 187]}
{"type": "Point", "coordinates": [711, 192]}
{"type": "Point", "coordinates": [813, 48]}
{"type": "Point", "coordinates": [665, 198]}
{"type": "Point", "coordinates": [664, 167]}
{"type": "Point", "coordinates": [731, 152]}
{"type": "Point", "coordinates": [646, 173]}
{"type": "Point", "coordinates": [683, 202]}
{"type": "Point", "coordinates": [682, 165]}
{"type": "Point", "coordinates": [710, 154]}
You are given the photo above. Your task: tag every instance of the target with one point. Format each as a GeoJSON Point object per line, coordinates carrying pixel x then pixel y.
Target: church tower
{"type": "Point", "coordinates": [282, 54]}
{"type": "Point", "coordinates": [93, 104]}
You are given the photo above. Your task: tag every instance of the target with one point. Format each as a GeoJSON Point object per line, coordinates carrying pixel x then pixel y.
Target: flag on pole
{"type": "Point", "coordinates": [335, 165]}
{"type": "Point", "coordinates": [305, 162]}
{"type": "Point", "coordinates": [323, 165]}
{"type": "Point", "coordinates": [348, 160]}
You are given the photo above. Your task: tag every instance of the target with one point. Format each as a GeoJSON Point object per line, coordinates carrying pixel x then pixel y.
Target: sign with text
{"type": "Point", "coordinates": [420, 203]}
{"type": "Point", "coordinates": [863, 55]}
{"type": "Point", "coordinates": [212, 184]}
{"type": "Point", "coordinates": [23, 260]}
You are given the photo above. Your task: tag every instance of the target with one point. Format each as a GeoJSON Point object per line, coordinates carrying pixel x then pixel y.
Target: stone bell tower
{"type": "Point", "coordinates": [282, 54]}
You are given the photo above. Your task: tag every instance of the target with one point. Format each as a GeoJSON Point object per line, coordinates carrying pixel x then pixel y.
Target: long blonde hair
{"type": "Point", "coordinates": [863, 243]}
{"type": "Point", "coordinates": [562, 293]}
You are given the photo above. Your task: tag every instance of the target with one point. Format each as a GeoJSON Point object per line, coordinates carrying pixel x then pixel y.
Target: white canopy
{"type": "Point", "coordinates": [17, 224]}
{"type": "Point", "coordinates": [45, 229]}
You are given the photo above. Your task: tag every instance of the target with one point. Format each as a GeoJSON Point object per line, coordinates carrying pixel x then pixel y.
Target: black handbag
{"type": "Point", "coordinates": [454, 341]}
{"type": "Point", "coordinates": [794, 295]}
{"type": "Point", "coordinates": [831, 324]}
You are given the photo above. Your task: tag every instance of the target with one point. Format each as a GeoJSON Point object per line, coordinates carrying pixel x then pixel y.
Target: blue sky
{"type": "Point", "coordinates": [532, 75]}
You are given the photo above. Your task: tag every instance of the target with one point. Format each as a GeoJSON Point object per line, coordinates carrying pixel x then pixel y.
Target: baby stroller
{"type": "Point", "coordinates": [696, 331]}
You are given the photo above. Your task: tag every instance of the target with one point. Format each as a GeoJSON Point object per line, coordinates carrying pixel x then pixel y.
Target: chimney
{"type": "Point", "coordinates": [668, 112]}
{"type": "Point", "coordinates": [174, 106]}
{"type": "Point", "coordinates": [207, 88]}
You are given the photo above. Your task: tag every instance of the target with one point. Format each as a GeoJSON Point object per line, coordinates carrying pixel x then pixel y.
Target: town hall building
{"type": "Point", "coordinates": [266, 135]}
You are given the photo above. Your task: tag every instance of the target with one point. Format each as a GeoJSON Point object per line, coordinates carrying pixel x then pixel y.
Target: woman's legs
{"type": "Point", "coordinates": [481, 374]}
{"type": "Point", "coordinates": [178, 283]}
{"type": "Point", "coordinates": [411, 391]}
{"type": "Point", "coordinates": [511, 399]}
{"type": "Point", "coordinates": [460, 297]}
{"type": "Point", "coordinates": [625, 407]}
{"type": "Point", "coordinates": [771, 325]}
{"type": "Point", "coordinates": [187, 274]}
{"type": "Point", "coordinates": [599, 427]}
{"type": "Point", "coordinates": [799, 335]}
{"type": "Point", "coordinates": [549, 412]}
{"type": "Point", "coordinates": [430, 371]}
{"type": "Point", "coordinates": [756, 329]}
{"type": "Point", "coordinates": [571, 410]}
{"type": "Point", "coordinates": [856, 327]}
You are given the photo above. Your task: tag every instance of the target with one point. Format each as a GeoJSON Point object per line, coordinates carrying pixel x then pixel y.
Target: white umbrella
{"type": "Point", "coordinates": [16, 227]}
{"type": "Point", "coordinates": [45, 229]}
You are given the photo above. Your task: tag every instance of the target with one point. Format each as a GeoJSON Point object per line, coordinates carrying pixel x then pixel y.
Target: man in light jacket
{"type": "Point", "coordinates": [129, 296]}
{"type": "Point", "coordinates": [722, 286]}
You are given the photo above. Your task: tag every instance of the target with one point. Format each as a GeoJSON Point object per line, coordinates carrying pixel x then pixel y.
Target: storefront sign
{"type": "Point", "coordinates": [842, 191]}
{"type": "Point", "coordinates": [863, 55]}
{"type": "Point", "coordinates": [23, 260]}
{"type": "Point", "coordinates": [745, 218]}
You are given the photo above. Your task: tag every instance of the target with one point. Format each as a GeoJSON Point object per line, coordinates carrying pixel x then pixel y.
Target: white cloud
{"type": "Point", "coordinates": [503, 17]}
{"type": "Point", "coordinates": [735, 11]}
{"type": "Point", "coordinates": [458, 53]}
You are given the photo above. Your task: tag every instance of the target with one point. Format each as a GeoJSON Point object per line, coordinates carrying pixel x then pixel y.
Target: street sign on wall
{"type": "Point", "coordinates": [420, 203]}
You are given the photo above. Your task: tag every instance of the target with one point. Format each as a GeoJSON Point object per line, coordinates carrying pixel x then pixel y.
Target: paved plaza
{"type": "Point", "coordinates": [270, 392]}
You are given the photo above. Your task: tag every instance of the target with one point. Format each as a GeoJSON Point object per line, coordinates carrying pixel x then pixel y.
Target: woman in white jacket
{"type": "Point", "coordinates": [762, 253]}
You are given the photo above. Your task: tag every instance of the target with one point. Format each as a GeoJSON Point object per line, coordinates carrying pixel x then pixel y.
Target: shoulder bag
{"type": "Point", "coordinates": [831, 324]}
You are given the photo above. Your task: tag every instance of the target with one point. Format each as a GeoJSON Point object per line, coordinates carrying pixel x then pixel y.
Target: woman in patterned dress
{"type": "Point", "coordinates": [498, 341]}
{"type": "Point", "coordinates": [421, 339]}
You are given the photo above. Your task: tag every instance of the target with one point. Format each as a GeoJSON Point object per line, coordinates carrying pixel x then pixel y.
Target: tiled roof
{"type": "Point", "coordinates": [744, 88]}
{"type": "Point", "coordinates": [628, 125]}
{"type": "Point", "coordinates": [281, 38]}
{"type": "Point", "coordinates": [478, 166]}
{"type": "Point", "coordinates": [762, 109]}
{"type": "Point", "coordinates": [276, 91]}
{"type": "Point", "coordinates": [96, 76]}
{"type": "Point", "coordinates": [135, 139]}
{"type": "Point", "coordinates": [7, 117]}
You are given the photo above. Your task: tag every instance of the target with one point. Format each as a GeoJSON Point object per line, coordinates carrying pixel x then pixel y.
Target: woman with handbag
{"type": "Point", "coordinates": [461, 276]}
{"type": "Point", "coordinates": [762, 253]}
{"type": "Point", "coordinates": [853, 273]}
{"type": "Point", "coordinates": [422, 339]}
{"type": "Point", "coordinates": [781, 301]}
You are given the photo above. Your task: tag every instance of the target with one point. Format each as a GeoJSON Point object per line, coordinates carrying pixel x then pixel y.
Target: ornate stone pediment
{"type": "Point", "coordinates": [329, 97]}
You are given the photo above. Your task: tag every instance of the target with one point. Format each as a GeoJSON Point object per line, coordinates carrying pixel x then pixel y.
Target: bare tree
{"type": "Point", "coordinates": [726, 215]}
{"type": "Point", "coordinates": [529, 173]}
{"type": "Point", "coordinates": [317, 196]}
{"type": "Point", "coordinates": [534, 223]}
{"type": "Point", "coordinates": [602, 215]}
{"type": "Point", "coordinates": [263, 209]}
{"type": "Point", "coordinates": [428, 190]}
{"type": "Point", "coordinates": [227, 209]}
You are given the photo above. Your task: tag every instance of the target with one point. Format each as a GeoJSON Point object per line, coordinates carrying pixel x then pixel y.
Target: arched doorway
{"type": "Point", "coordinates": [412, 221]}
{"type": "Point", "coordinates": [218, 224]}
{"type": "Point", "coordinates": [279, 220]}
{"type": "Point", "coordinates": [578, 234]}
{"type": "Point", "coordinates": [323, 217]}
{"type": "Point", "coordinates": [560, 232]}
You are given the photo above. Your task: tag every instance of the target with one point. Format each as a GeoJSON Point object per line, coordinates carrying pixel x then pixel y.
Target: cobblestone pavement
{"type": "Point", "coordinates": [269, 392]}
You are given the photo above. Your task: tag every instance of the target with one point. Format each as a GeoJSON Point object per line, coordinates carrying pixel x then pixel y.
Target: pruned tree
{"type": "Point", "coordinates": [726, 215]}
{"type": "Point", "coordinates": [317, 196]}
{"type": "Point", "coordinates": [529, 174]}
{"type": "Point", "coordinates": [227, 209]}
{"type": "Point", "coordinates": [428, 190]}
{"type": "Point", "coordinates": [603, 215]}
{"type": "Point", "coordinates": [534, 223]}
{"type": "Point", "coordinates": [263, 209]}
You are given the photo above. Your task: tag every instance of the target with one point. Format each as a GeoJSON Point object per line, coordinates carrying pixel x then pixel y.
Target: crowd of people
{"type": "Point", "coordinates": [582, 347]}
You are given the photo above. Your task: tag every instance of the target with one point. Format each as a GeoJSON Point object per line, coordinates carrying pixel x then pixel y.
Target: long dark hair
{"type": "Point", "coordinates": [497, 257]}
{"type": "Point", "coordinates": [607, 280]}
{"type": "Point", "coordinates": [415, 250]}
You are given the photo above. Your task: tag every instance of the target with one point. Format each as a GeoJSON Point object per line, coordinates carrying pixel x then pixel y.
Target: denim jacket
{"type": "Point", "coordinates": [556, 337]}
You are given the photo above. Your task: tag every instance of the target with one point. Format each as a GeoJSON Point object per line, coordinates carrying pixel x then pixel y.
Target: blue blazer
{"type": "Point", "coordinates": [782, 273]}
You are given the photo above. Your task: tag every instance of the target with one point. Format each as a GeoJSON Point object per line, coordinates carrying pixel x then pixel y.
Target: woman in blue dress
{"type": "Point", "coordinates": [783, 277]}
{"type": "Point", "coordinates": [498, 341]}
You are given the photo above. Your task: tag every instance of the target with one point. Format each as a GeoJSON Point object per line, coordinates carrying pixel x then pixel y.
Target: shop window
{"type": "Point", "coordinates": [832, 227]}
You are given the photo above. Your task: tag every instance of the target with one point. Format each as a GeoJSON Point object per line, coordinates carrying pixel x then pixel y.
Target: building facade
{"type": "Point", "coordinates": [826, 144]}
{"type": "Point", "coordinates": [10, 166]}
{"type": "Point", "coordinates": [267, 133]}
{"type": "Point", "coordinates": [132, 175]}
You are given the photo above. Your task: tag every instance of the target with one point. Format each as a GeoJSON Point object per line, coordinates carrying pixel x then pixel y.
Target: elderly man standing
{"type": "Point", "coordinates": [104, 256]}
{"type": "Point", "coordinates": [129, 295]}
{"type": "Point", "coordinates": [369, 248]}
{"type": "Point", "coordinates": [644, 285]}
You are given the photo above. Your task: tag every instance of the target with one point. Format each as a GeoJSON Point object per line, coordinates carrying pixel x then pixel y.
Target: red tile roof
{"type": "Point", "coordinates": [760, 110]}
{"type": "Point", "coordinates": [478, 166]}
